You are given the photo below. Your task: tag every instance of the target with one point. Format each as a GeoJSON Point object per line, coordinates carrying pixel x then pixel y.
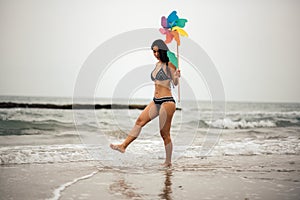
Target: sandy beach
{"type": "Point", "coordinates": [221, 177]}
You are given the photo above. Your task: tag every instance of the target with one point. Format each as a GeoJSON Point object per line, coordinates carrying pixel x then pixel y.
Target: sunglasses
{"type": "Point", "coordinates": [154, 51]}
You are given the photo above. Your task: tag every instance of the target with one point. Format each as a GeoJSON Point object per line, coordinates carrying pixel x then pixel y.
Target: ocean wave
{"type": "Point", "coordinates": [228, 123]}
{"type": "Point", "coordinates": [247, 119]}
{"type": "Point", "coordinates": [20, 127]}
{"type": "Point", "coordinates": [30, 115]}
{"type": "Point", "coordinates": [265, 113]}
{"type": "Point", "coordinates": [76, 153]}
{"type": "Point", "coordinates": [144, 151]}
{"type": "Point", "coordinates": [263, 122]}
{"type": "Point", "coordinates": [288, 123]}
{"type": "Point", "coordinates": [270, 145]}
{"type": "Point", "coordinates": [43, 154]}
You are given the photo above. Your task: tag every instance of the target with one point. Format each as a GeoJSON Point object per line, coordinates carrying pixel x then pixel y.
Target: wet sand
{"type": "Point", "coordinates": [220, 177]}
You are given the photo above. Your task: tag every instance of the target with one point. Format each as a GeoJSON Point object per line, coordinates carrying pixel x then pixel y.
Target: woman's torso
{"type": "Point", "coordinates": [161, 75]}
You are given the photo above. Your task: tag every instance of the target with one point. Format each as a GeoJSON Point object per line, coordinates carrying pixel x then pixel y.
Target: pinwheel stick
{"type": "Point", "coordinates": [178, 69]}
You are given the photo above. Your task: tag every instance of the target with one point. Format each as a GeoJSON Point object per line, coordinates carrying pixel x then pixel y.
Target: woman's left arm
{"type": "Point", "coordinates": [174, 73]}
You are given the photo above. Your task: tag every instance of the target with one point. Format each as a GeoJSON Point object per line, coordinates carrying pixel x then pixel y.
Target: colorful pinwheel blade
{"type": "Point", "coordinates": [164, 22]}
{"type": "Point", "coordinates": [181, 22]}
{"type": "Point", "coordinates": [172, 58]}
{"type": "Point", "coordinates": [169, 37]}
{"type": "Point", "coordinates": [180, 31]}
{"type": "Point", "coordinates": [172, 18]}
{"type": "Point", "coordinates": [163, 31]}
{"type": "Point", "coordinates": [176, 37]}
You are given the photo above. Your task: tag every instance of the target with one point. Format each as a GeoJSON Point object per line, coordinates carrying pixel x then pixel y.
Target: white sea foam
{"type": "Point", "coordinates": [78, 152]}
{"type": "Point", "coordinates": [269, 113]}
{"type": "Point", "coordinates": [143, 152]}
{"type": "Point", "coordinates": [249, 148]}
{"type": "Point", "coordinates": [61, 188]}
{"type": "Point", "coordinates": [258, 147]}
{"type": "Point", "coordinates": [43, 154]}
{"type": "Point", "coordinates": [229, 124]}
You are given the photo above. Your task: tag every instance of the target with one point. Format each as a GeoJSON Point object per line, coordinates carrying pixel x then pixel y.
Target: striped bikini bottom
{"type": "Point", "coordinates": [159, 101]}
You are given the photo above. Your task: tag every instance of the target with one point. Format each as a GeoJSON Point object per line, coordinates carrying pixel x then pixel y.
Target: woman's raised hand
{"type": "Point", "coordinates": [177, 74]}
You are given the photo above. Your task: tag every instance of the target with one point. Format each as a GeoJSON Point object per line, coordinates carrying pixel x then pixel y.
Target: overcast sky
{"type": "Point", "coordinates": [254, 45]}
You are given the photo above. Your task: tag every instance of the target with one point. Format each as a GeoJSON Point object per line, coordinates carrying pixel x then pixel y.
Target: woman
{"type": "Point", "coordinates": [163, 104]}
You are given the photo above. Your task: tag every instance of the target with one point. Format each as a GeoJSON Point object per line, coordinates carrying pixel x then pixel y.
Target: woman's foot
{"type": "Point", "coordinates": [118, 147]}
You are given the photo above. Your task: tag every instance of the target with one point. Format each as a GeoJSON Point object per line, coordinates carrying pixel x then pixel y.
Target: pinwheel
{"type": "Point", "coordinates": [172, 28]}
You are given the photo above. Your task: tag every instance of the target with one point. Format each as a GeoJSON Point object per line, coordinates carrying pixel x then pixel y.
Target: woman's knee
{"type": "Point", "coordinates": [165, 136]}
{"type": "Point", "coordinates": [141, 122]}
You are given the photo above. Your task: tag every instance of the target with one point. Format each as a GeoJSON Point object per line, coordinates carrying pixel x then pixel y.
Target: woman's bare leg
{"type": "Point", "coordinates": [132, 135]}
{"type": "Point", "coordinates": [165, 119]}
{"type": "Point", "coordinates": [149, 113]}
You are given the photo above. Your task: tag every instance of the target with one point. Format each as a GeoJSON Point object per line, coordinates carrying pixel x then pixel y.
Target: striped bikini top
{"type": "Point", "coordinates": [161, 75]}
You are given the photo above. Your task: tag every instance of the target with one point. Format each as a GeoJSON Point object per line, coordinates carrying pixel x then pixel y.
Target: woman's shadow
{"type": "Point", "coordinates": [124, 188]}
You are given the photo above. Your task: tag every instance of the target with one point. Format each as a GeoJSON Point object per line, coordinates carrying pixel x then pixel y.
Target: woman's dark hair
{"type": "Point", "coordinates": [162, 50]}
{"type": "Point", "coordinates": [163, 56]}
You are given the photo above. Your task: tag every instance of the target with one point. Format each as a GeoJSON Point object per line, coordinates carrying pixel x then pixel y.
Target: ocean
{"type": "Point", "coordinates": [30, 135]}
{"type": "Point", "coordinates": [235, 150]}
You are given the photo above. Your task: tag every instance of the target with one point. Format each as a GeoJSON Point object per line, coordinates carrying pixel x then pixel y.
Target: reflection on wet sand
{"type": "Point", "coordinates": [123, 187]}
{"type": "Point", "coordinates": [167, 190]}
